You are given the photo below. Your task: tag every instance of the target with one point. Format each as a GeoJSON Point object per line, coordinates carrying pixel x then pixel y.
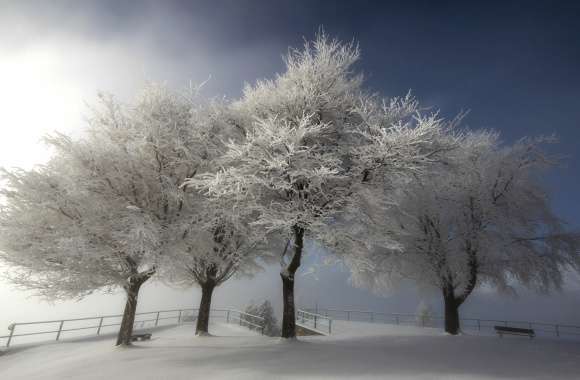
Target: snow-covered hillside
{"type": "Point", "coordinates": [356, 350]}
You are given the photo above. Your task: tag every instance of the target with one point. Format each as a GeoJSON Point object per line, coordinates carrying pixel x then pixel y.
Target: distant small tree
{"type": "Point", "coordinates": [266, 312]}
{"type": "Point", "coordinates": [424, 314]}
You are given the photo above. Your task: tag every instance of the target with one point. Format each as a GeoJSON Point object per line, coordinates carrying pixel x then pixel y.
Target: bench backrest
{"type": "Point", "coordinates": [513, 329]}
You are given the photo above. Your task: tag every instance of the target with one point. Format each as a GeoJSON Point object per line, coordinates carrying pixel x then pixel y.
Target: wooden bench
{"type": "Point", "coordinates": [140, 337]}
{"type": "Point", "coordinates": [513, 331]}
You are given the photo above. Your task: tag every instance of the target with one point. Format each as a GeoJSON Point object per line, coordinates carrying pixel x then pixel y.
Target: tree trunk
{"type": "Point", "coordinates": [451, 314]}
{"type": "Point", "coordinates": [126, 329]}
{"type": "Point", "coordinates": [289, 313]}
{"type": "Point", "coordinates": [204, 308]}
{"type": "Point", "coordinates": [453, 301]}
{"type": "Point", "coordinates": [132, 289]}
{"type": "Point", "coordinates": [289, 316]}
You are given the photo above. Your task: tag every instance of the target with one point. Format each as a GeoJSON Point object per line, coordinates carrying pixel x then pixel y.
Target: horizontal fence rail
{"type": "Point", "coordinates": [314, 321]}
{"type": "Point", "coordinates": [78, 327]}
{"type": "Point", "coordinates": [474, 324]}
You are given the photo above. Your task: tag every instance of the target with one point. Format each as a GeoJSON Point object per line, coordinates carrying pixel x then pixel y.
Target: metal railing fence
{"type": "Point", "coordinates": [477, 324]}
{"type": "Point", "coordinates": [314, 321]}
{"type": "Point", "coordinates": [142, 320]}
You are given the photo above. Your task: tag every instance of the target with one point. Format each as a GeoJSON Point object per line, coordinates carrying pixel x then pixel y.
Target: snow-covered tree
{"type": "Point", "coordinates": [309, 135]}
{"type": "Point", "coordinates": [212, 254]}
{"type": "Point", "coordinates": [287, 167]}
{"type": "Point", "coordinates": [480, 218]}
{"type": "Point", "coordinates": [395, 141]}
{"type": "Point", "coordinates": [63, 240]}
{"type": "Point", "coordinates": [266, 312]}
{"type": "Point", "coordinates": [214, 244]}
{"type": "Point", "coordinates": [210, 240]}
{"type": "Point", "coordinates": [108, 205]}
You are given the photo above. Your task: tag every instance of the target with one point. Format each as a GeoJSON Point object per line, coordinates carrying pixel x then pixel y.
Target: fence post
{"type": "Point", "coordinates": [329, 326]}
{"type": "Point", "coordinates": [59, 330]}
{"type": "Point", "coordinates": [557, 331]}
{"type": "Point", "coordinates": [100, 325]}
{"type": "Point", "coordinates": [315, 317]}
{"type": "Point", "coordinates": [179, 318]}
{"type": "Point", "coordinates": [157, 319]}
{"type": "Point", "coordinates": [12, 327]}
{"type": "Point", "coordinates": [228, 316]}
{"type": "Point", "coordinates": [478, 325]}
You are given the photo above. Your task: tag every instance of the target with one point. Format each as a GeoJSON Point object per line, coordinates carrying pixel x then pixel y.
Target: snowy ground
{"type": "Point", "coordinates": [356, 350]}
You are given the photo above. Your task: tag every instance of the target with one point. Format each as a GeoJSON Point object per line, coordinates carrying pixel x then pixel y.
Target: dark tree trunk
{"type": "Point", "coordinates": [204, 308]}
{"type": "Point", "coordinates": [451, 313]}
{"type": "Point", "coordinates": [132, 288]}
{"type": "Point", "coordinates": [289, 315]}
{"type": "Point", "coordinates": [126, 330]}
{"type": "Point", "coordinates": [453, 301]}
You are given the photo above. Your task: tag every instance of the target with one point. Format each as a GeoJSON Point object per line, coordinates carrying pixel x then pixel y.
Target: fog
{"type": "Point", "coordinates": [55, 58]}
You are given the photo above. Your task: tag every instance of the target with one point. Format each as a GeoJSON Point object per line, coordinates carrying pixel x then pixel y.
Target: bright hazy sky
{"type": "Point", "coordinates": [515, 65]}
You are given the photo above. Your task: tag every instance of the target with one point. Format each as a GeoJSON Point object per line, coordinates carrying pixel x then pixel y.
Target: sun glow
{"type": "Point", "coordinates": [36, 98]}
